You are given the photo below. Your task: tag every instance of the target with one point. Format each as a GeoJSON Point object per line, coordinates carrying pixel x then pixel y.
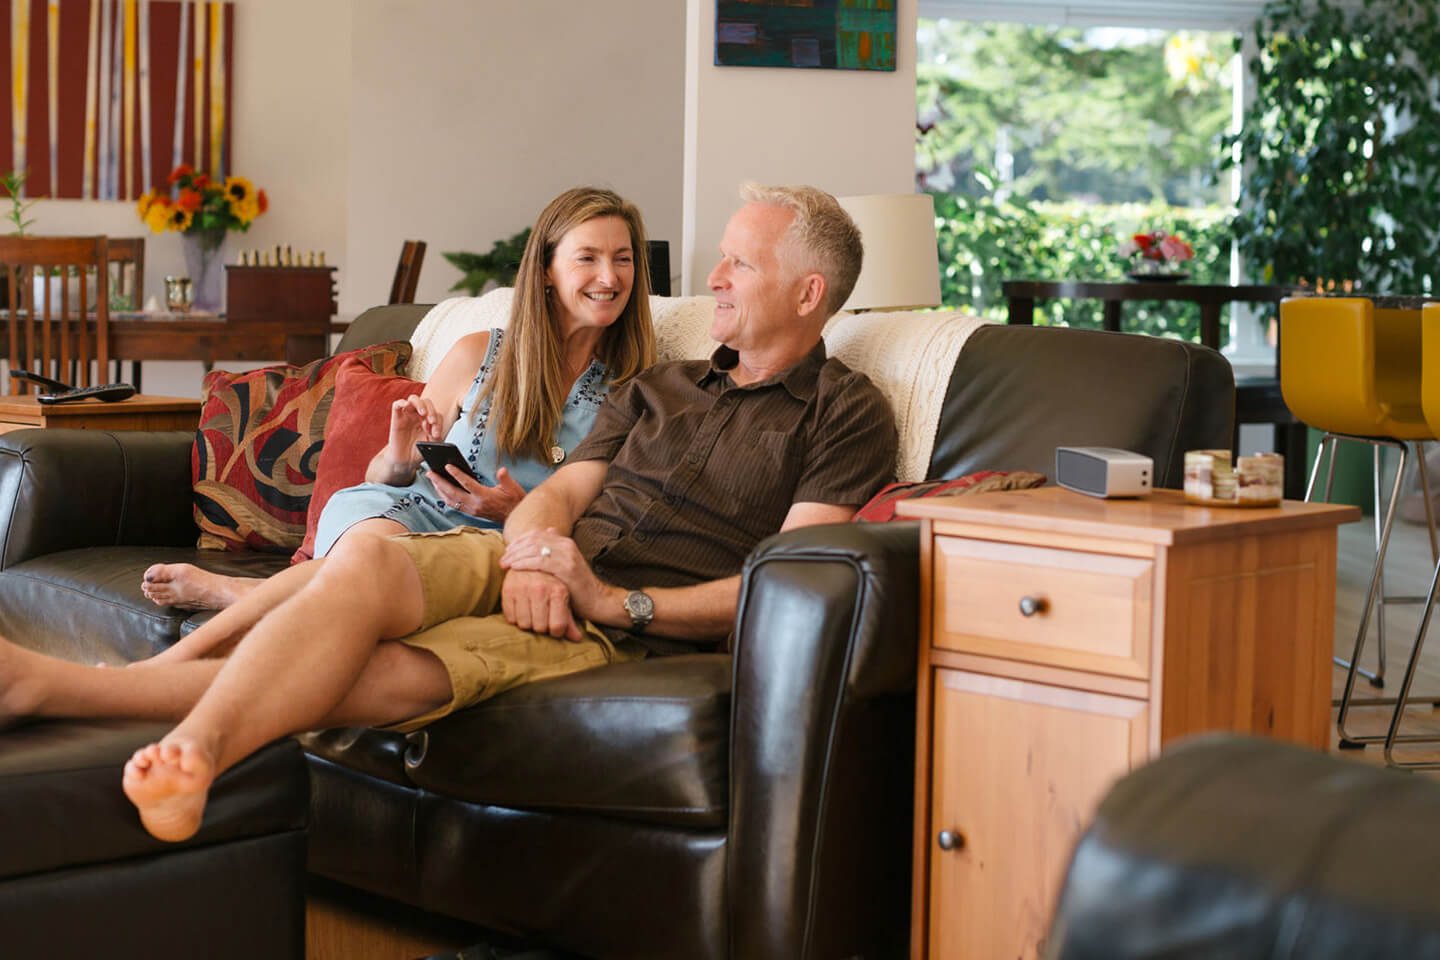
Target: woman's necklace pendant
{"type": "Point", "coordinates": [557, 453]}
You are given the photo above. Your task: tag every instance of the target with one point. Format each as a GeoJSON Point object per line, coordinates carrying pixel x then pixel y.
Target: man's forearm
{"type": "Point", "coordinates": [704, 611]}
{"type": "Point", "coordinates": [540, 509]}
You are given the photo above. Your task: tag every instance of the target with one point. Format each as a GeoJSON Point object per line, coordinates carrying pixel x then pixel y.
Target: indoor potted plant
{"type": "Point", "coordinates": [1338, 147]}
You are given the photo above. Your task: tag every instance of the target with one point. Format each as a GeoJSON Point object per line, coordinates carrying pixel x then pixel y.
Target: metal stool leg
{"type": "Point", "coordinates": [1392, 735]}
{"type": "Point", "coordinates": [1372, 598]}
{"type": "Point", "coordinates": [1331, 442]}
{"type": "Point", "coordinates": [1379, 679]}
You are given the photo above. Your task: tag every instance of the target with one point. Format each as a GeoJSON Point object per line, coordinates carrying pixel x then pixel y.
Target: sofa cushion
{"type": "Point", "coordinates": [358, 427]}
{"type": "Point", "coordinates": [258, 444]}
{"type": "Point", "coordinates": [645, 740]}
{"type": "Point", "coordinates": [60, 790]}
{"type": "Point", "coordinates": [85, 605]}
{"type": "Point", "coordinates": [1017, 392]}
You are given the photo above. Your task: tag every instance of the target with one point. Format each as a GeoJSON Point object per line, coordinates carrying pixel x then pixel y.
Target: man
{"type": "Point", "coordinates": [636, 543]}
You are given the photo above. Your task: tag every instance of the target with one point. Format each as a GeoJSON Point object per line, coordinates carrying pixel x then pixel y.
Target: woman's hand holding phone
{"type": "Point", "coordinates": [469, 495]}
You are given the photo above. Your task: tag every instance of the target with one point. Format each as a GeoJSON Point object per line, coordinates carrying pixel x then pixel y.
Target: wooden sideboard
{"type": "Point", "coordinates": [1064, 641]}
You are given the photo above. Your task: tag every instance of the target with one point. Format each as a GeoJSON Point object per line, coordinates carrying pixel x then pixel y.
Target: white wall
{"type": "Point", "coordinates": [848, 132]}
{"type": "Point", "coordinates": [468, 116]}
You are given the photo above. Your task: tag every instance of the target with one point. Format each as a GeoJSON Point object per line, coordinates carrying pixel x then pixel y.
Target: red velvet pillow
{"type": "Point", "coordinates": [882, 506]}
{"type": "Point", "coordinates": [258, 445]}
{"type": "Point", "coordinates": [359, 426]}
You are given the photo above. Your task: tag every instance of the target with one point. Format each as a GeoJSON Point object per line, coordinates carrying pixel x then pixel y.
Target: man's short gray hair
{"type": "Point", "coordinates": [822, 234]}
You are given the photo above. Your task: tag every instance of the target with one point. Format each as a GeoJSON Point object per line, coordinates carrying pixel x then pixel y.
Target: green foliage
{"type": "Point", "coordinates": [1340, 150]}
{"type": "Point", "coordinates": [13, 182]}
{"type": "Point", "coordinates": [1080, 114]}
{"type": "Point", "coordinates": [500, 264]}
{"type": "Point", "coordinates": [984, 242]}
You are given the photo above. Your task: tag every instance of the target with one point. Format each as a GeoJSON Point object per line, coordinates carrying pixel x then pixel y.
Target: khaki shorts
{"type": "Point", "coordinates": [484, 653]}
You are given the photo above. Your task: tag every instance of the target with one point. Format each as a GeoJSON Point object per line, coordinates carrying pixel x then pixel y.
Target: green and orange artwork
{"type": "Point", "coordinates": [822, 34]}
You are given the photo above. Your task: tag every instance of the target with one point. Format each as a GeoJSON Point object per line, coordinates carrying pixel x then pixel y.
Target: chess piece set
{"type": "Point", "coordinates": [281, 257]}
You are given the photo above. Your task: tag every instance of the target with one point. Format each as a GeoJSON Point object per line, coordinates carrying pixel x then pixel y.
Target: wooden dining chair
{"type": "Point", "coordinates": [407, 272]}
{"type": "Point", "coordinates": [127, 280]}
{"type": "Point", "coordinates": [59, 328]}
{"type": "Point", "coordinates": [127, 277]}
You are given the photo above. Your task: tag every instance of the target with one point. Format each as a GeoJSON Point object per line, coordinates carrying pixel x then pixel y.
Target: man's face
{"type": "Point", "coordinates": [755, 289]}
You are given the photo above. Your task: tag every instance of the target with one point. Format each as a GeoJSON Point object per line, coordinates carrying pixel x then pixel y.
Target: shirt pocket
{"type": "Point", "coordinates": [764, 468]}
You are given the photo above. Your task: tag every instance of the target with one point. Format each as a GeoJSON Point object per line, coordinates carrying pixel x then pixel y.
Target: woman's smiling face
{"type": "Point", "coordinates": [591, 274]}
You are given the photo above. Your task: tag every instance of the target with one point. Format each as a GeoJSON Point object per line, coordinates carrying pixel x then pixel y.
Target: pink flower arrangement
{"type": "Point", "coordinates": [1156, 249]}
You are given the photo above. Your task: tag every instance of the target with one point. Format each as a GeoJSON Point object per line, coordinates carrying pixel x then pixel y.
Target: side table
{"type": "Point", "coordinates": [1064, 640]}
{"type": "Point", "coordinates": [140, 412]}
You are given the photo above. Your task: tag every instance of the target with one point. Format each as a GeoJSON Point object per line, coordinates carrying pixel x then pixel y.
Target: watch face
{"type": "Point", "coordinates": [640, 607]}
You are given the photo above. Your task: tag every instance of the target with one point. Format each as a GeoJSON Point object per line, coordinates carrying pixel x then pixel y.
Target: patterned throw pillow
{"type": "Point", "coordinates": [882, 506]}
{"type": "Point", "coordinates": [359, 426]}
{"type": "Point", "coordinates": [258, 445]}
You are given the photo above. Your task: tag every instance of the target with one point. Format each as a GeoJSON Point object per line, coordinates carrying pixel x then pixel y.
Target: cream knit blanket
{"type": "Point", "coordinates": [448, 321]}
{"type": "Point", "coordinates": [908, 356]}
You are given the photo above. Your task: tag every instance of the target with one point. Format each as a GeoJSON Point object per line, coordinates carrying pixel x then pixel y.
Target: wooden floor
{"type": "Point", "coordinates": [1408, 570]}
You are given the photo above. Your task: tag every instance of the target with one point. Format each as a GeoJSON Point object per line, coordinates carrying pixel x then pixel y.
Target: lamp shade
{"type": "Point", "coordinates": [902, 267]}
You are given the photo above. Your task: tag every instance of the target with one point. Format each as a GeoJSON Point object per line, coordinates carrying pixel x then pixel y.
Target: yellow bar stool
{"type": "Point", "coordinates": [1430, 404]}
{"type": "Point", "coordinates": [1353, 371]}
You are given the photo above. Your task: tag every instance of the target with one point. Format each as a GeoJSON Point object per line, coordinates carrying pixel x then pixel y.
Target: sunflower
{"type": "Point", "coordinates": [143, 206]}
{"type": "Point", "coordinates": [240, 193]}
{"type": "Point", "coordinates": [157, 213]}
{"type": "Point", "coordinates": [179, 218]}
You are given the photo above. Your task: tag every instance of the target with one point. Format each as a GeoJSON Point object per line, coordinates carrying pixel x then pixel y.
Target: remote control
{"type": "Point", "coordinates": [108, 392]}
{"type": "Point", "coordinates": [54, 386]}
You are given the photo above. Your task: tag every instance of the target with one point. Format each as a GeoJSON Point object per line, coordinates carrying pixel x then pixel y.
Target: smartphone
{"type": "Point", "coordinates": [438, 455]}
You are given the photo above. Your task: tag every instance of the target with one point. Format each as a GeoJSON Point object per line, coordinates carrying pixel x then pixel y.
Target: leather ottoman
{"type": "Point", "coordinates": [1238, 848]}
{"type": "Point", "coordinates": [80, 877]}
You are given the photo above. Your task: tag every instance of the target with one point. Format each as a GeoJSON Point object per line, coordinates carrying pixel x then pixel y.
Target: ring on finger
{"type": "Point", "coordinates": [544, 552]}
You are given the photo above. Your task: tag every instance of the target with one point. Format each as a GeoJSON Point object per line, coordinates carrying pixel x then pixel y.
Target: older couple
{"type": "Point", "coordinates": [632, 546]}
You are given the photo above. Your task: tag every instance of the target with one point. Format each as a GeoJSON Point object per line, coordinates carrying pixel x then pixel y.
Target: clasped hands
{"type": "Point", "coordinates": [416, 418]}
{"type": "Point", "coordinates": [549, 584]}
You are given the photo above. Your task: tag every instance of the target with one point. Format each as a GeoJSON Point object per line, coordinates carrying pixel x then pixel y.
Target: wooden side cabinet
{"type": "Point", "coordinates": [1064, 640]}
{"type": "Point", "coordinates": [140, 412]}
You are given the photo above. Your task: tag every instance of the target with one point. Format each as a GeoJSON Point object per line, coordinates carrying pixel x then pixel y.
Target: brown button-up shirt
{"type": "Point", "coordinates": [701, 470]}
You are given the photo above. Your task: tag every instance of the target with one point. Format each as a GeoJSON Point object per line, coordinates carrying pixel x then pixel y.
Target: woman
{"type": "Point", "coordinates": [515, 400]}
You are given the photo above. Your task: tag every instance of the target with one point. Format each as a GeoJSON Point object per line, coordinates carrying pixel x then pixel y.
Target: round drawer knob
{"type": "Point", "coordinates": [950, 840]}
{"type": "Point", "coordinates": [1029, 606]}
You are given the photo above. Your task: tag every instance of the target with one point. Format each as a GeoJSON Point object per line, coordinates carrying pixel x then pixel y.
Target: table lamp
{"type": "Point", "coordinates": [902, 268]}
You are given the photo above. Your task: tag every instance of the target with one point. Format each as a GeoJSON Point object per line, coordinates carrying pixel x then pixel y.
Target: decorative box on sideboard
{"type": "Point", "coordinates": [299, 300]}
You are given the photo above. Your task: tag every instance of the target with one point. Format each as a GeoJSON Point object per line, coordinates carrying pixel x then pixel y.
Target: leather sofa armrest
{"type": "Point", "coordinates": [822, 742]}
{"type": "Point", "coordinates": [65, 489]}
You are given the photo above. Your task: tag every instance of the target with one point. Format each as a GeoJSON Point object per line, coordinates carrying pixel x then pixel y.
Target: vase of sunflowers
{"type": "Point", "coordinates": [203, 211]}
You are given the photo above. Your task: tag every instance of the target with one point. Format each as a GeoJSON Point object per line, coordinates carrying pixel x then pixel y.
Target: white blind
{"type": "Point", "coordinates": [1171, 14]}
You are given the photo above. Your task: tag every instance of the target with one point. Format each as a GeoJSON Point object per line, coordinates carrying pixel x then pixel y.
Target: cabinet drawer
{"type": "Point", "coordinates": [1094, 609]}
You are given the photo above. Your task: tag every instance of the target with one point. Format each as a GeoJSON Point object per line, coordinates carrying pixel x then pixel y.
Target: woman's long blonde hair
{"type": "Point", "coordinates": [529, 388]}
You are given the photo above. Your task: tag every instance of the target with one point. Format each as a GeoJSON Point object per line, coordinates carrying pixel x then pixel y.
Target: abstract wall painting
{"type": "Point", "coordinates": [108, 96]}
{"type": "Point", "coordinates": [824, 34]}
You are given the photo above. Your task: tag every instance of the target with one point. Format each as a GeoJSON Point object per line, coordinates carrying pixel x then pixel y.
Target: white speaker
{"type": "Point", "coordinates": [1104, 471]}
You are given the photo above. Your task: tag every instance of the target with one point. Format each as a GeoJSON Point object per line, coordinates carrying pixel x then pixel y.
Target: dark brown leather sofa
{"type": "Point", "coordinates": [699, 807]}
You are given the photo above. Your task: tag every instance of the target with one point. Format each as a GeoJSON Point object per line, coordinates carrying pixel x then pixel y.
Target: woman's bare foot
{"type": "Point", "coordinates": [169, 783]}
{"type": "Point", "coordinates": [186, 586]}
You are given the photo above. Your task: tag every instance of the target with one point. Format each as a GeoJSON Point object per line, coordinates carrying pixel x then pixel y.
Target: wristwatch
{"type": "Point", "coordinates": [641, 609]}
